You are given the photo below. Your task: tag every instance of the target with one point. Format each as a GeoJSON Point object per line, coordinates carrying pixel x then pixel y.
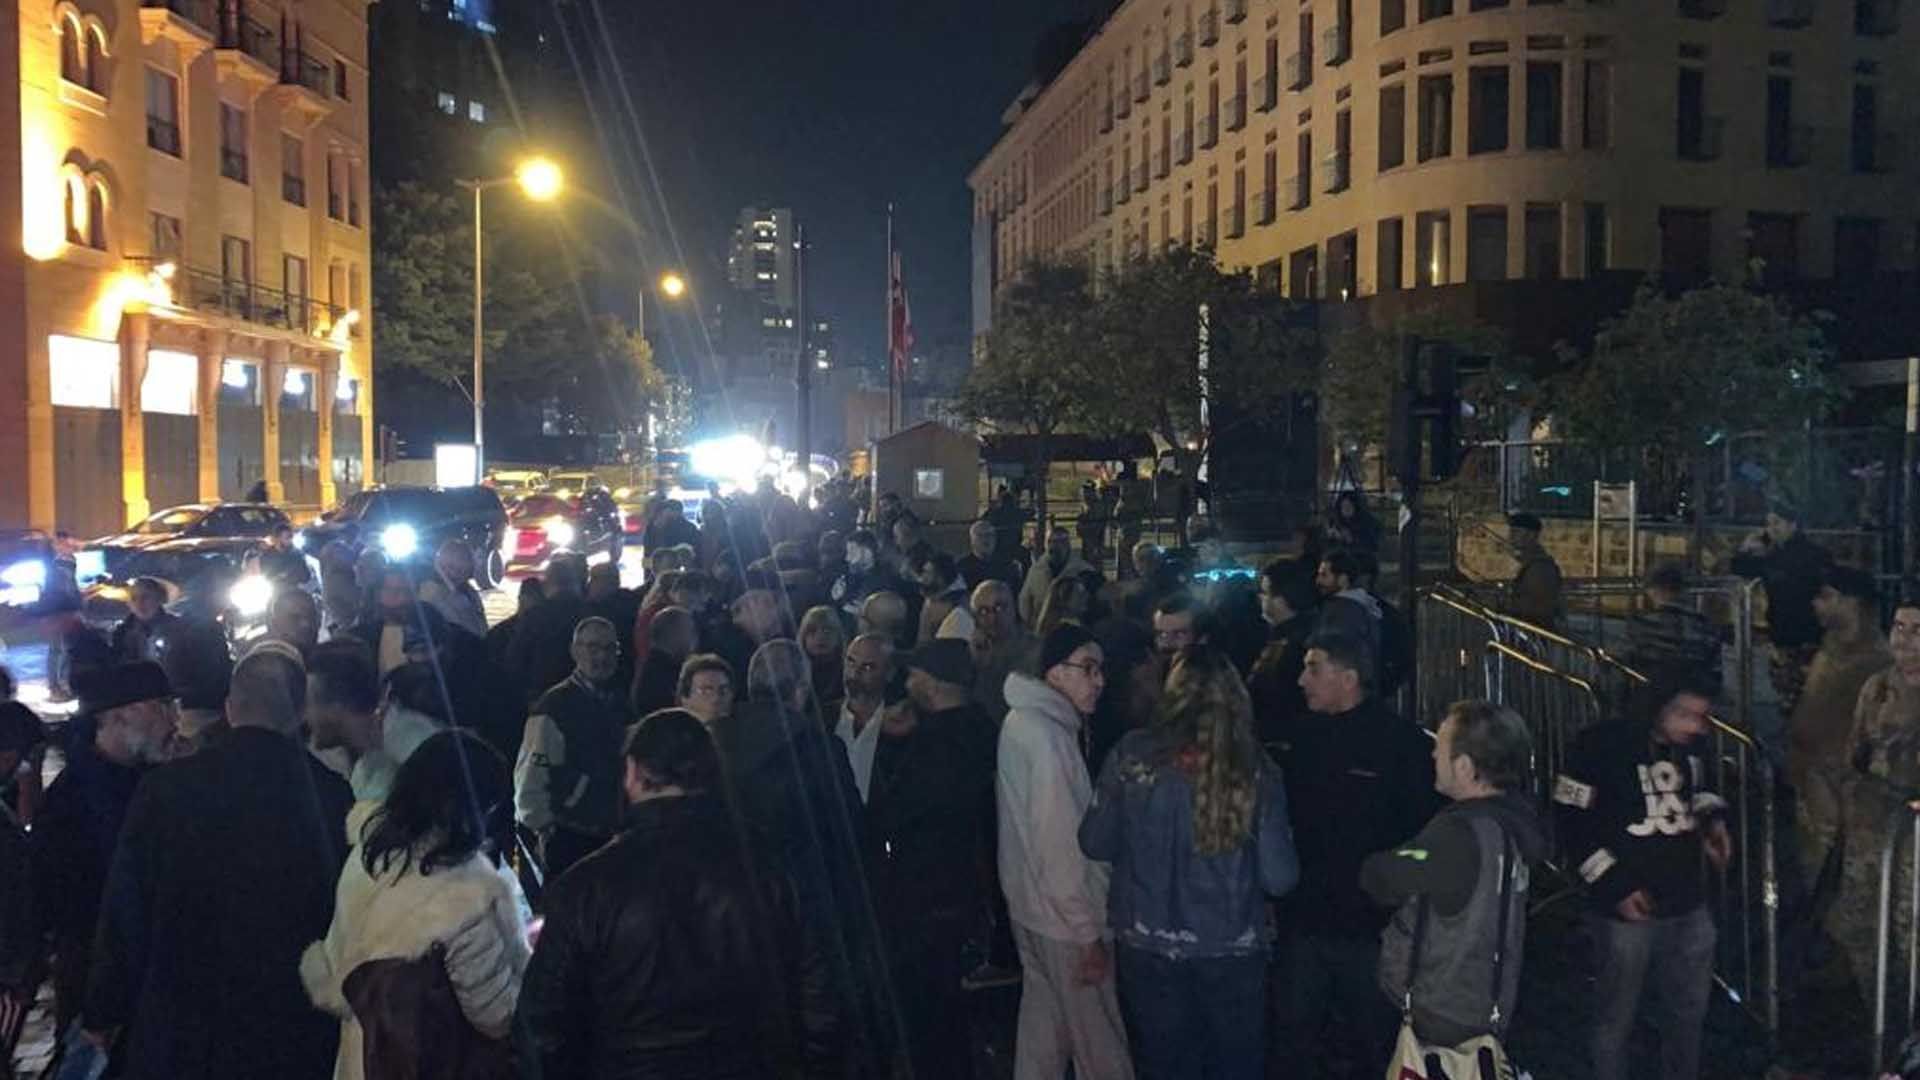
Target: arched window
{"type": "Point", "coordinates": [73, 49]}
{"type": "Point", "coordinates": [97, 215]}
{"type": "Point", "coordinates": [96, 57]}
{"type": "Point", "coordinates": [76, 209]}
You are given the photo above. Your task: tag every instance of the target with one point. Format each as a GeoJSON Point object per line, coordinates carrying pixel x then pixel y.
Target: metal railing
{"type": "Point", "coordinates": [258, 41]}
{"type": "Point", "coordinates": [298, 68]}
{"type": "Point", "coordinates": [213, 293]}
{"type": "Point", "coordinates": [198, 12]}
{"type": "Point", "coordinates": [1560, 686]}
{"type": "Point", "coordinates": [1903, 821]}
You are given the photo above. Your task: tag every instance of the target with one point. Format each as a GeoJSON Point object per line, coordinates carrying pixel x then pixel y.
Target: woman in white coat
{"type": "Point", "coordinates": [428, 872]}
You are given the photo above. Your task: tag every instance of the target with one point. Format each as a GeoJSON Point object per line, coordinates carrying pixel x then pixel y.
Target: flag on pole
{"type": "Point", "coordinates": [899, 324]}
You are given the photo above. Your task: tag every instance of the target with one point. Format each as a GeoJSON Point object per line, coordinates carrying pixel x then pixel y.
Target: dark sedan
{"type": "Point", "coordinates": [408, 525]}
{"type": "Point", "coordinates": [207, 579]}
{"type": "Point", "coordinates": [544, 525]}
{"type": "Point", "coordinates": [194, 521]}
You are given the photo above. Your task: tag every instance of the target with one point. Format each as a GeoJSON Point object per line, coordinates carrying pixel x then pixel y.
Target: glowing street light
{"type": "Point", "coordinates": [673, 285]}
{"type": "Point", "coordinates": [540, 180]}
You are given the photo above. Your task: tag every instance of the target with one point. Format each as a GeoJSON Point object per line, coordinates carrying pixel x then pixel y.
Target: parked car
{"type": "Point", "coordinates": [193, 521]}
{"type": "Point", "coordinates": [571, 483]}
{"type": "Point", "coordinates": [408, 524]}
{"type": "Point", "coordinates": [514, 484]}
{"type": "Point", "coordinates": [207, 579]}
{"type": "Point", "coordinates": [26, 568]}
{"type": "Point", "coordinates": [544, 525]}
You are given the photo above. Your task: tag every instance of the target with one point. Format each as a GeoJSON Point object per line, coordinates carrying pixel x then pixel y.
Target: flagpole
{"type": "Point", "coordinates": [893, 370]}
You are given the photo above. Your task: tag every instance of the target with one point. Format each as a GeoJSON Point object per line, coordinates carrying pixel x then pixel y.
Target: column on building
{"type": "Point", "coordinates": [326, 380]}
{"type": "Point", "coordinates": [135, 333]}
{"type": "Point", "coordinates": [273, 381]}
{"type": "Point", "coordinates": [212, 354]}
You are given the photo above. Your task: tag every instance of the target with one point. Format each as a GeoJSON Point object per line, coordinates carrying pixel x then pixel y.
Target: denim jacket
{"type": "Point", "coordinates": [1165, 897]}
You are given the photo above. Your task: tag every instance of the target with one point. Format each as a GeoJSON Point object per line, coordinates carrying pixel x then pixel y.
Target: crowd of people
{"type": "Point", "coordinates": [775, 811]}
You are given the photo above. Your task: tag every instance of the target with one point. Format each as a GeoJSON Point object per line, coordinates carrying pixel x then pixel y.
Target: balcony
{"type": "Point", "coordinates": [1124, 192]}
{"type": "Point", "coordinates": [306, 84]}
{"type": "Point", "coordinates": [1183, 148]}
{"type": "Point", "coordinates": [1335, 172]}
{"type": "Point", "coordinates": [246, 49]}
{"type": "Point", "coordinates": [1183, 50]}
{"type": "Point", "coordinates": [1236, 112]}
{"type": "Point", "coordinates": [1876, 18]}
{"type": "Point", "coordinates": [1263, 207]}
{"type": "Point", "coordinates": [1236, 10]}
{"type": "Point", "coordinates": [1298, 191]}
{"type": "Point", "coordinates": [1790, 147]}
{"type": "Point", "coordinates": [1702, 141]}
{"type": "Point", "coordinates": [1337, 42]}
{"type": "Point", "coordinates": [1209, 133]}
{"type": "Point", "coordinates": [1105, 202]}
{"type": "Point", "coordinates": [1204, 235]}
{"type": "Point", "coordinates": [1876, 153]}
{"type": "Point", "coordinates": [1140, 177]}
{"type": "Point", "coordinates": [1298, 71]}
{"type": "Point", "coordinates": [1162, 165]}
{"type": "Point", "coordinates": [1789, 14]}
{"type": "Point", "coordinates": [1162, 70]}
{"type": "Point", "coordinates": [207, 292]}
{"type": "Point", "coordinates": [1702, 9]}
{"type": "Point", "coordinates": [1236, 222]}
{"type": "Point", "coordinates": [1123, 105]}
{"type": "Point", "coordinates": [1140, 86]}
{"type": "Point", "coordinates": [1265, 96]}
{"type": "Point", "coordinates": [188, 24]}
{"type": "Point", "coordinates": [163, 135]}
{"type": "Point", "coordinates": [1210, 27]}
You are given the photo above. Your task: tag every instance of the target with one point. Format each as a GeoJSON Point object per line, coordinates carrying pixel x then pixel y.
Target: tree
{"type": "Point", "coordinates": [423, 282]}
{"type": "Point", "coordinates": [1154, 316]}
{"type": "Point", "coordinates": [1034, 374]}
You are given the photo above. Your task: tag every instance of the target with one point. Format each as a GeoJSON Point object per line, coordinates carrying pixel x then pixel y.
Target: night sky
{"type": "Point", "coordinates": [833, 107]}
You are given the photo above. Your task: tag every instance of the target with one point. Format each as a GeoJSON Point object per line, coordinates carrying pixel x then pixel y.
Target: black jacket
{"type": "Point", "coordinates": [224, 873]}
{"type": "Point", "coordinates": [541, 653]}
{"type": "Point", "coordinates": [930, 815]}
{"type": "Point", "coordinates": [657, 685]}
{"type": "Point", "coordinates": [671, 952]}
{"type": "Point", "coordinates": [1631, 811]}
{"type": "Point", "coordinates": [1357, 783]}
{"type": "Point", "coordinates": [20, 951]}
{"type": "Point", "coordinates": [72, 842]}
{"type": "Point", "coordinates": [1792, 572]}
{"type": "Point", "coordinates": [133, 640]}
{"type": "Point", "coordinates": [974, 570]}
{"type": "Point", "coordinates": [1274, 683]}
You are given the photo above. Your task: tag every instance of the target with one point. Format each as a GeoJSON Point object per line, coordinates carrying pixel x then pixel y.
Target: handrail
{"type": "Point", "coordinates": [1898, 823]}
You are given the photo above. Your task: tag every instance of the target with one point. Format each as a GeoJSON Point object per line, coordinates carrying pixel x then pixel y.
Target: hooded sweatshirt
{"type": "Point", "coordinates": [1041, 792]}
{"type": "Point", "coordinates": [1631, 810]}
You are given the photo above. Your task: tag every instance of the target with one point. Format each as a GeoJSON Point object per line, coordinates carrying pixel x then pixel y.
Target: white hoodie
{"type": "Point", "coordinates": [1041, 790]}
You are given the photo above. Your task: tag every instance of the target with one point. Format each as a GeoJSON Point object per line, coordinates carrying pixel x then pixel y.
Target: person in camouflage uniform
{"type": "Point", "coordinates": [1882, 776]}
{"type": "Point", "coordinates": [1852, 651]}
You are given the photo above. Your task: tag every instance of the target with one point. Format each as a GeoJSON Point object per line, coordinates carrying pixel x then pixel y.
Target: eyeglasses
{"type": "Point", "coordinates": [1092, 669]}
{"type": "Point", "coordinates": [723, 690]}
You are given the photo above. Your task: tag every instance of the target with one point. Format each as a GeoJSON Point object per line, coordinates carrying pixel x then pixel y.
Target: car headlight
{"type": "Point", "coordinates": [300, 541]}
{"type": "Point", "coordinates": [399, 541]}
{"type": "Point", "coordinates": [251, 595]}
{"type": "Point", "coordinates": [623, 493]}
{"type": "Point", "coordinates": [560, 533]}
{"type": "Point", "coordinates": [29, 574]}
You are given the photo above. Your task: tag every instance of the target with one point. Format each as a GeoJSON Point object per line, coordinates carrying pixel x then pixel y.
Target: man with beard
{"type": "Point", "coordinates": [943, 614]}
{"type": "Point", "coordinates": [983, 561]}
{"type": "Point", "coordinates": [1059, 562]}
{"type": "Point", "coordinates": [864, 575]}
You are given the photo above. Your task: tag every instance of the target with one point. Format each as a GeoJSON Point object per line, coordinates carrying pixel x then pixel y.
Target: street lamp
{"type": "Point", "coordinates": [672, 286]}
{"type": "Point", "coordinates": [540, 180]}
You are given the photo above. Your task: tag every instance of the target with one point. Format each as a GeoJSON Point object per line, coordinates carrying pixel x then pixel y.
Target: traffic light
{"type": "Point", "coordinates": [1423, 439]}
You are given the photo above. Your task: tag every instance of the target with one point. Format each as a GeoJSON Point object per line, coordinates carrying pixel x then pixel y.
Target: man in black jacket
{"type": "Point", "coordinates": [1791, 568]}
{"type": "Point", "coordinates": [929, 816]}
{"type": "Point", "coordinates": [542, 650]}
{"type": "Point", "coordinates": [671, 638]}
{"type": "Point", "coordinates": [1641, 825]}
{"type": "Point", "coordinates": [125, 726]}
{"type": "Point", "coordinates": [139, 635]}
{"type": "Point", "coordinates": [672, 951]}
{"type": "Point", "coordinates": [224, 873]}
{"type": "Point", "coordinates": [1287, 600]}
{"type": "Point", "coordinates": [1359, 780]}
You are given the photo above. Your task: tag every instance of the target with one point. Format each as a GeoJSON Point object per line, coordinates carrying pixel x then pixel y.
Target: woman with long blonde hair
{"type": "Point", "coordinates": [1191, 813]}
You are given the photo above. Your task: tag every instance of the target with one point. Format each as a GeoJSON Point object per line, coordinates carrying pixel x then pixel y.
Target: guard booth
{"type": "Point", "coordinates": [935, 470]}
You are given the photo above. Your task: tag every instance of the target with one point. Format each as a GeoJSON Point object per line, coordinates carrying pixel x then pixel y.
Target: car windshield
{"type": "Point", "coordinates": [379, 506]}
{"type": "Point", "coordinates": [168, 522]}
{"type": "Point", "coordinates": [178, 567]}
{"type": "Point", "coordinates": [542, 506]}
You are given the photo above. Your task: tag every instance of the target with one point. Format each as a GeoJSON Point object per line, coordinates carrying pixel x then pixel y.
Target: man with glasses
{"type": "Point", "coordinates": [1000, 645]}
{"type": "Point", "coordinates": [706, 688]}
{"type": "Point", "coordinates": [567, 780]}
{"type": "Point", "coordinates": [1177, 625]}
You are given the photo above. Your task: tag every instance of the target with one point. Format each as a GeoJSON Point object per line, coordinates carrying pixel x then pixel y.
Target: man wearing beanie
{"type": "Point", "coordinates": [929, 822]}
{"type": "Point", "coordinates": [125, 725]}
{"type": "Point", "coordinates": [1056, 896]}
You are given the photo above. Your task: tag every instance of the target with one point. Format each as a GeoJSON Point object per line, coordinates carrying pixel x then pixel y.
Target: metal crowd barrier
{"type": "Point", "coordinates": [1560, 686]}
{"type": "Point", "coordinates": [1903, 821]}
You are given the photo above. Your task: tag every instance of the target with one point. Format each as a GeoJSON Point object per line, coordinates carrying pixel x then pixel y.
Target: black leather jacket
{"type": "Point", "coordinates": [666, 955]}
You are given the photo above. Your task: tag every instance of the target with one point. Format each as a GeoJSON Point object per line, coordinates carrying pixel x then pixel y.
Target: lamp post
{"type": "Point", "coordinates": [540, 180]}
{"type": "Point", "coordinates": [672, 286]}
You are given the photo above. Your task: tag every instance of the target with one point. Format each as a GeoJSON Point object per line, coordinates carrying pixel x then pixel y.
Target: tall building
{"type": "Point", "coordinates": [764, 338]}
{"type": "Point", "coordinates": [1347, 149]}
{"type": "Point", "coordinates": [186, 258]}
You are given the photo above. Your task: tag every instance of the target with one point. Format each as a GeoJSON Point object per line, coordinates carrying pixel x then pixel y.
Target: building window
{"type": "Point", "coordinates": [1597, 240]}
{"type": "Point", "coordinates": [293, 276]}
{"type": "Point", "coordinates": [340, 85]}
{"type": "Point", "coordinates": [1487, 96]}
{"type": "Point", "coordinates": [448, 103]}
{"type": "Point", "coordinates": [1303, 273]}
{"type": "Point", "coordinates": [1432, 247]}
{"type": "Point", "coordinates": [172, 385]}
{"type": "Point", "coordinates": [1343, 266]}
{"type": "Point", "coordinates": [1393, 126]}
{"type": "Point", "coordinates": [1435, 9]}
{"type": "Point", "coordinates": [1487, 243]}
{"type": "Point", "coordinates": [1773, 252]}
{"type": "Point", "coordinates": [233, 143]}
{"type": "Point", "coordinates": [1785, 147]}
{"type": "Point", "coordinates": [1866, 153]}
{"type": "Point", "coordinates": [1303, 168]}
{"type": "Point", "coordinates": [477, 111]}
{"type": "Point", "coordinates": [75, 207]}
{"type": "Point", "coordinates": [96, 223]}
{"type": "Point", "coordinates": [85, 373]}
{"type": "Point", "coordinates": [353, 292]}
{"type": "Point", "coordinates": [1596, 114]}
{"type": "Point", "coordinates": [236, 275]}
{"type": "Point", "coordinates": [1856, 247]}
{"type": "Point", "coordinates": [1686, 243]}
{"type": "Point", "coordinates": [353, 194]}
{"type": "Point", "coordinates": [1389, 238]}
{"type": "Point", "coordinates": [163, 112]}
{"type": "Point", "coordinates": [1393, 16]}
{"type": "Point", "coordinates": [1543, 242]}
{"type": "Point", "coordinates": [1436, 117]}
{"type": "Point", "coordinates": [73, 50]}
{"type": "Point", "coordinates": [165, 239]}
{"type": "Point", "coordinates": [1697, 140]}
{"type": "Point", "coordinates": [293, 169]}
{"type": "Point", "coordinates": [1544, 106]}
{"type": "Point", "coordinates": [336, 204]}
